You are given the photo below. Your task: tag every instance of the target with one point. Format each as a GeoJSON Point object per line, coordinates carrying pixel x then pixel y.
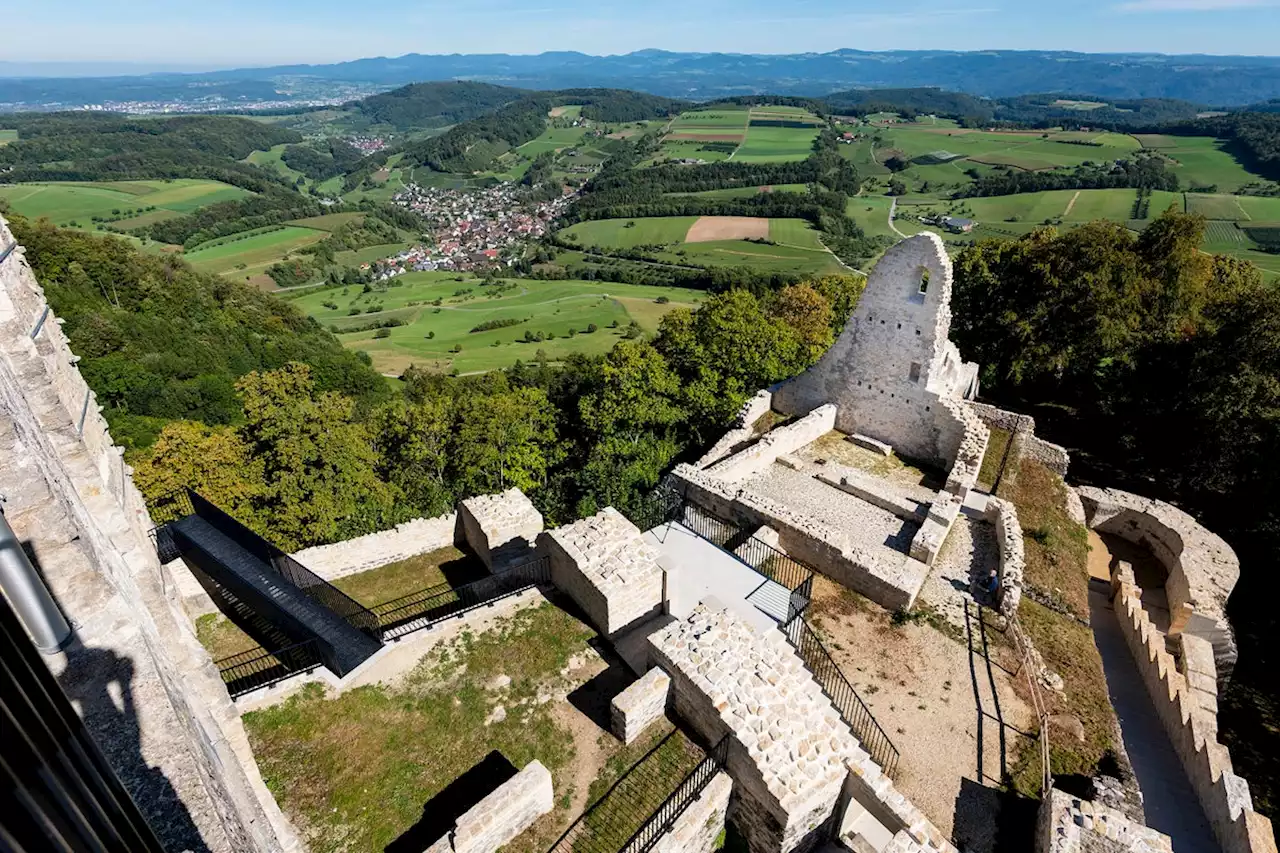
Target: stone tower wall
{"type": "Point", "coordinates": [146, 689]}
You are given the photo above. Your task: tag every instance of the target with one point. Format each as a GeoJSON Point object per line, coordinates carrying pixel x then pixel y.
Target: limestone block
{"type": "Point", "coordinates": [640, 704]}
{"type": "Point", "coordinates": [1004, 516]}
{"type": "Point", "coordinates": [500, 528]}
{"type": "Point", "coordinates": [605, 565]}
{"type": "Point", "coordinates": [866, 442]}
{"type": "Point", "coordinates": [928, 541]}
{"type": "Point", "coordinates": [777, 442]}
{"type": "Point", "coordinates": [743, 429]}
{"type": "Point", "coordinates": [508, 811]}
{"type": "Point", "coordinates": [872, 490]}
{"type": "Point", "coordinates": [444, 845]}
{"type": "Point", "coordinates": [419, 536]}
{"type": "Point", "coordinates": [698, 827]}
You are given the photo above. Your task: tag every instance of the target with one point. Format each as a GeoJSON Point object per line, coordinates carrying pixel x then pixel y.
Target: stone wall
{"type": "Point", "coordinates": [146, 689]}
{"type": "Point", "coordinates": [777, 442]}
{"type": "Point", "coordinates": [605, 565]}
{"type": "Point", "coordinates": [639, 705]}
{"type": "Point", "coordinates": [1191, 727]}
{"type": "Point", "coordinates": [743, 429]}
{"type": "Point", "coordinates": [1067, 824]}
{"type": "Point", "coordinates": [509, 810]}
{"type": "Point", "coordinates": [1025, 443]}
{"type": "Point", "coordinates": [892, 361]}
{"type": "Point", "coordinates": [890, 579]}
{"type": "Point", "coordinates": [1202, 567]}
{"type": "Point", "coordinates": [1003, 515]}
{"type": "Point", "coordinates": [700, 825]}
{"type": "Point", "coordinates": [419, 536]}
{"type": "Point", "coordinates": [500, 528]}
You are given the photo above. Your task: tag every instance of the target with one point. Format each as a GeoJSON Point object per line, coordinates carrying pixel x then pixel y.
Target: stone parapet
{"type": "Point", "coordinates": [175, 739]}
{"type": "Point", "coordinates": [1202, 567]}
{"type": "Point", "coordinates": [1191, 727]}
{"type": "Point", "coordinates": [500, 817]}
{"type": "Point", "coordinates": [743, 429]}
{"type": "Point", "coordinates": [405, 540]}
{"type": "Point", "coordinates": [500, 528]}
{"type": "Point", "coordinates": [605, 565]}
{"type": "Point", "coordinates": [642, 703]}
{"type": "Point", "coordinates": [699, 826]}
{"type": "Point", "coordinates": [777, 442]}
{"type": "Point", "coordinates": [1068, 824]}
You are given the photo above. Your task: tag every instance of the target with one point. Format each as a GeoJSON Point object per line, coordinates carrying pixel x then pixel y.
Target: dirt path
{"type": "Point", "coordinates": [893, 209]}
{"type": "Point", "coordinates": [1071, 204]}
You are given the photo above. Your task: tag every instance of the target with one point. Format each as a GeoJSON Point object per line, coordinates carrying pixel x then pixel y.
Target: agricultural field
{"type": "Point", "coordinates": [271, 160]}
{"type": "Point", "coordinates": [561, 311]}
{"type": "Point", "coordinates": [250, 255]}
{"type": "Point", "coordinates": [629, 233]}
{"type": "Point", "coordinates": [1201, 161]}
{"type": "Point", "coordinates": [7, 136]}
{"type": "Point", "coordinates": [75, 204]}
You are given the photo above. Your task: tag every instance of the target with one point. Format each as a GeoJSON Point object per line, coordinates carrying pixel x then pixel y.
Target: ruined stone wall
{"type": "Point", "coordinates": [698, 827]}
{"type": "Point", "coordinates": [1191, 727]}
{"type": "Point", "coordinates": [1026, 444]}
{"type": "Point", "coordinates": [1067, 824]}
{"type": "Point", "coordinates": [1004, 517]}
{"type": "Point", "coordinates": [170, 731]}
{"type": "Point", "coordinates": [1202, 567]}
{"type": "Point", "coordinates": [507, 811]}
{"type": "Point", "coordinates": [419, 536]}
{"type": "Point", "coordinates": [743, 429]}
{"type": "Point", "coordinates": [777, 442]}
{"type": "Point", "coordinates": [893, 361]}
{"type": "Point", "coordinates": [890, 579]}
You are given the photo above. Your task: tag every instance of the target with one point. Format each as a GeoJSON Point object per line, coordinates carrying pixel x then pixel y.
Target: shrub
{"type": "Point", "coordinates": [382, 333]}
{"type": "Point", "coordinates": [456, 348]}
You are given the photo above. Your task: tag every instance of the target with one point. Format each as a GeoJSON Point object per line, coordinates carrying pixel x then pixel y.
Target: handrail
{"type": "Point", "coordinates": [7, 251]}
{"type": "Point", "coordinates": [250, 670]}
{"type": "Point", "coordinates": [836, 686]}
{"type": "Point", "coordinates": [1028, 668]}
{"type": "Point", "coordinates": [689, 789]}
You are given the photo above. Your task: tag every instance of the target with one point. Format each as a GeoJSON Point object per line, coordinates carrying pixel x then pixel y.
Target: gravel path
{"type": "Point", "coordinates": [968, 555]}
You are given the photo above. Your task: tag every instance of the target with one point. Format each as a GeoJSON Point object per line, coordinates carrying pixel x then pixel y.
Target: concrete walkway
{"type": "Point", "coordinates": [1170, 803]}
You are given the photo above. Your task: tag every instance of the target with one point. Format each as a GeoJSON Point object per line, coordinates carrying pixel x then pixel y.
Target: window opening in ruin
{"type": "Point", "coordinates": [924, 281]}
{"type": "Point", "coordinates": [915, 371]}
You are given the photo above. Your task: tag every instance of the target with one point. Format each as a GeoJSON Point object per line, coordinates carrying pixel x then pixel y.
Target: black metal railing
{"type": "Point", "coordinates": [692, 786]}
{"type": "Point", "coordinates": [423, 608]}
{"type": "Point", "coordinates": [652, 793]}
{"type": "Point", "coordinates": [846, 700]}
{"type": "Point", "coordinates": [165, 509]}
{"type": "Point", "coordinates": [256, 668]}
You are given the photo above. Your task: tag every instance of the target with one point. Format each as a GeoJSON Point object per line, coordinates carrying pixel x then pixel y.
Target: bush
{"type": "Point", "coordinates": [662, 300]}
{"type": "Point", "coordinates": [382, 333]}
{"type": "Point", "coordinates": [456, 348]}
{"type": "Point", "coordinates": [489, 325]}
{"type": "Point", "coordinates": [591, 328]}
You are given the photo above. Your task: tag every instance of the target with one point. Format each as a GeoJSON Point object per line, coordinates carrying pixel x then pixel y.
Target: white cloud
{"type": "Point", "coordinates": [1193, 5]}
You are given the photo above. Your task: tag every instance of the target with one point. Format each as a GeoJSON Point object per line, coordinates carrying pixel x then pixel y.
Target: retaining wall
{"type": "Point", "coordinates": [70, 498]}
{"type": "Point", "coordinates": [1192, 730]}
{"type": "Point", "coordinates": [743, 429]}
{"type": "Point", "coordinates": [777, 442]}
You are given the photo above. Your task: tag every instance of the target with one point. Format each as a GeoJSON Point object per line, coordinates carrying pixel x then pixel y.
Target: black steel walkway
{"type": "Point", "coordinates": [298, 603]}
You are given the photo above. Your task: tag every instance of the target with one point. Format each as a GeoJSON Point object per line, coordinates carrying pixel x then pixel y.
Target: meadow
{"type": "Point", "coordinates": [565, 309]}
{"type": "Point", "coordinates": [7, 136]}
{"type": "Point", "coordinates": [250, 256]}
{"type": "Point", "coordinates": [75, 204]}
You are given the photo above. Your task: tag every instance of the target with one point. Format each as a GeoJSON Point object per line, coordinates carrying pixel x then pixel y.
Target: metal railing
{"type": "Point", "coordinates": [256, 668]}
{"type": "Point", "coordinates": [642, 803]}
{"type": "Point", "coordinates": [846, 700]}
{"type": "Point", "coordinates": [1027, 666]}
{"type": "Point", "coordinates": [423, 608]}
{"type": "Point", "coordinates": [326, 594]}
{"type": "Point", "coordinates": [661, 821]}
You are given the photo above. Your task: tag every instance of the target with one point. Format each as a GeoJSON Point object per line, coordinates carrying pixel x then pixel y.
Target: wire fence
{"type": "Point", "coordinates": [256, 668]}
{"type": "Point", "coordinates": [423, 608]}
{"type": "Point", "coordinates": [1027, 665]}
{"type": "Point", "coordinates": [875, 740]}
{"type": "Point", "coordinates": [644, 802]}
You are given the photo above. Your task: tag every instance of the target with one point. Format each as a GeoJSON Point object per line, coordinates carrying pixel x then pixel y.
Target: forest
{"type": "Point", "coordinates": [426, 105]}
{"type": "Point", "coordinates": [1145, 171]}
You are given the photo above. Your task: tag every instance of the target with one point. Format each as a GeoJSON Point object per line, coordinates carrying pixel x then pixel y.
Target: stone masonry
{"type": "Point", "coordinates": [640, 704]}
{"type": "Point", "coordinates": [700, 825]}
{"type": "Point", "coordinates": [605, 565]}
{"type": "Point", "coordinates": [777, 442]}
{"type": "Point", "coordinates": [893, 362]}
{"type": "Point", "coordinates": [146, 689]}
{"type": "Point", "coordinates": [500, 528]}
{"type": "Point", "coordinates": [791, 757]}
{"type": "Point", "coordinates": [1069, 824]}
{"type": "Point", "coordinates": [501, 816]}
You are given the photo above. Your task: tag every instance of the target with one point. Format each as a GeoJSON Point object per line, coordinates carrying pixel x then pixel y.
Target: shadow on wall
{"type": "Point", "coordinates": [99, 684]}
{"type": "Point", "coordinates": [988, 820]}
{"type": "Point", "coordinates": [442, 811]}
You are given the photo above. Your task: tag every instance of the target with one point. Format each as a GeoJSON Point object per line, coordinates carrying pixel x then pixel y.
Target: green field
{"type": "Point", "coordinates": [271, 160]}
{"type": "Point", "coordinates": [619, 234]}
{"type": "Point", "coordinates": [65, 203]}
{"type": "Point", "coordinates": [329, 221]}
{"type": "Point", "coordinates": [252, 255]}
{"type": "Point", "coordinates": [7, 136]}
{"type": "Point", "coordinates": [553, 307]}
{"type": "Point", "coordinates": [711, 121]}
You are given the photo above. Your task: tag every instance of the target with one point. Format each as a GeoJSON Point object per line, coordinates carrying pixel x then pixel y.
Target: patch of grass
{"type": "Point", "coordinates": [1068, 649]}
{"type": "Point", "coordinates": [354, 771]}
{"type": "Point", "coordinates": [221, 637]}
{"type": "Point", "coordinates": [394, 580]}
{"type": "Point", "coordinates": [996, 448]}
{"type": "Point", "coordinates": [1057, 548]}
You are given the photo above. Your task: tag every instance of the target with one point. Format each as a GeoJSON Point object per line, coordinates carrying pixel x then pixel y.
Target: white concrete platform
{"type": "Point", "coordinates": [697, 569]}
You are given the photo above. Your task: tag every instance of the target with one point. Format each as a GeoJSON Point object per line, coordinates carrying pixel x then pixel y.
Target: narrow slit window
{"type": "Point", "coordinates": [915, 371]}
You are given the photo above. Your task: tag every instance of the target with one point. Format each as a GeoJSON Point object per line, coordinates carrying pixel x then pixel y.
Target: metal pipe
{"type": "Point", "coordinates": [29, 597]}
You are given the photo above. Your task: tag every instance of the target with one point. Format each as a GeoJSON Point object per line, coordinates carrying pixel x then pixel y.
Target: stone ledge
{"type": "Point", "coordinates": [870, 489]}
{"type": "Point", "coordinates": [866, 442]}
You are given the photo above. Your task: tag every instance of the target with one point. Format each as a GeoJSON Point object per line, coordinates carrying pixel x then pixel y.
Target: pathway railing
{"type": "Point", "coordinates": [1028, 667]}
{"type": "Point", "coordinates": [256, 668]}
{"type": "Point", "coordinates": [423, 608]}
{"type": "Point", "coordinates": [855, 713]}
{"type": "Point", "coordinates": [664, 818]}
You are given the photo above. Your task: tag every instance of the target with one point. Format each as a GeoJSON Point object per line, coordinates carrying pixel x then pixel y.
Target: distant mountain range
{"type": "Point", "coordinates": [1223, 81]}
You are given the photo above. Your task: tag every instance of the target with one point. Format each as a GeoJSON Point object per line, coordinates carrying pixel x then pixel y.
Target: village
{"type": "Point", "coordinates": [471, 229]}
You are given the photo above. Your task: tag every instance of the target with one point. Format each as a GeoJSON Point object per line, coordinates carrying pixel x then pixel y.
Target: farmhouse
{"type": "Point", "coordinates": [677, 646]}
{"type": "Point", "coordinates": [957, 225]}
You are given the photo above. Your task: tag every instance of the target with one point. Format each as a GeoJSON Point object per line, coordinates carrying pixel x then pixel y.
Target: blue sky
{"type": "Point", "coordinates": [262, 32]}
